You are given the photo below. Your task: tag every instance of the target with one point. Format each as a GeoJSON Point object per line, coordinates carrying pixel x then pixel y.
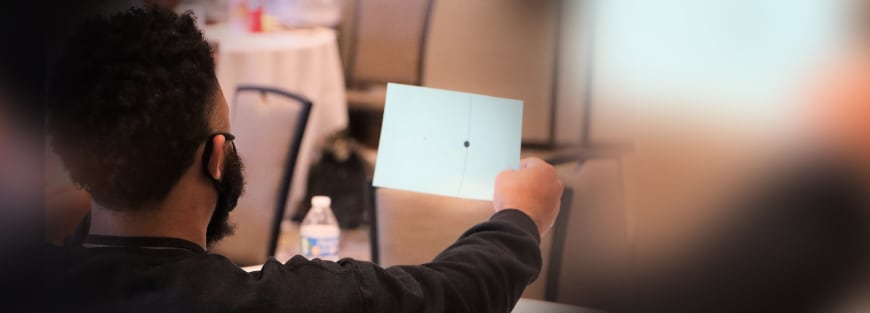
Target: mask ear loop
{"type": "Point", "coordinates": [78, 236]}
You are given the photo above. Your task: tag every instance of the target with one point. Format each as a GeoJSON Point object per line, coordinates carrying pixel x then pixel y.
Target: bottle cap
{"type": "Point", "coordinates": [321, 201]}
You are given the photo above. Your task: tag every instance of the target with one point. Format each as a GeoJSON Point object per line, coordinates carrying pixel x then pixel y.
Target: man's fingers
{"type": "Point", "coordinates": [504, 174]}
{"type": "Point", "coordinates": [539, 166]}
{"type": "Point", "coordinates": [532, 162]}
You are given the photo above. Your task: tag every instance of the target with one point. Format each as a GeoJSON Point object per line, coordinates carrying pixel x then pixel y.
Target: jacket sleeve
{"type": "Point", "coordinates": [486, 270]}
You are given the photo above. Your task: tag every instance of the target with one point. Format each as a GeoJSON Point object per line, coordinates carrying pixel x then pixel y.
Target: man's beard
{"type": "Point", "coordinates": [229, 189]}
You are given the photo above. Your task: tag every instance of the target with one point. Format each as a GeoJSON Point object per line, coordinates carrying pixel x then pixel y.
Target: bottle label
{"type": "Point", "coordinates": [320, 247]}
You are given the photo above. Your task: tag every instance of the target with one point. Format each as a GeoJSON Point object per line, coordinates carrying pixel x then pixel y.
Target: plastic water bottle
{"type": "Point", "coordinates": [319, 231]}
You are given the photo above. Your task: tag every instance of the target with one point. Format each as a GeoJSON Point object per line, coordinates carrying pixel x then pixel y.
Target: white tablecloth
{"type": "Point", "coordinates": [537, 306]}
{"type": "Point", "coordinates": [302, 61]}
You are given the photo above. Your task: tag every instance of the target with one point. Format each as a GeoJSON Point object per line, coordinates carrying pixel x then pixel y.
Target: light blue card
{"type": "Point", "coordinates": [447, 143]}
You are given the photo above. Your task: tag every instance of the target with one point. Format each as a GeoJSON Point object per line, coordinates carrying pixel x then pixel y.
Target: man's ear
{"type": "Point", "coordinates": [215, 164]}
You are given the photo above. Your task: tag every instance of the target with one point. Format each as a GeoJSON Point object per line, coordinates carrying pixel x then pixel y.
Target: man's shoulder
{"type": "Point", "coordinates": [77, 260]}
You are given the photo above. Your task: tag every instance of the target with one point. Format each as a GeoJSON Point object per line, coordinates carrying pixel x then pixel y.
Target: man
{"type": "Point", "coordinates": [138, 119]}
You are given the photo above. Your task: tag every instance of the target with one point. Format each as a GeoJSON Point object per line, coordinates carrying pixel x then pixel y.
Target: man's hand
{"type": "Point", "coordinates": [534, 190]}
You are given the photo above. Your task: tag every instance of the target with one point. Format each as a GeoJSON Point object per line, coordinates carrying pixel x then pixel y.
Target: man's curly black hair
{"type": "Point", "coordinates": [129, 104]}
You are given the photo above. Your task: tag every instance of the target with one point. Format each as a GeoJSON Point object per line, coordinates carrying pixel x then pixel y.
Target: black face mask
{"type": "Point", "coordinates": [229, 189]}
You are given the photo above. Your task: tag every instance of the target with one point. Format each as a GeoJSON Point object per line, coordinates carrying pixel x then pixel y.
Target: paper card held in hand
{"type": "Point", "coordinates": [447, 143]}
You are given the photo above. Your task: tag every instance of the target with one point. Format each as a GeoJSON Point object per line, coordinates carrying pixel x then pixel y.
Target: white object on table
{"type": "Point", "coordinates": [252, 268]}
{"type": "Point", "coordinates": [301, 61]}
{"type": "Point", "coordinates": [538, 306]}
{"type": "Point", "coordinates": [446, 142]}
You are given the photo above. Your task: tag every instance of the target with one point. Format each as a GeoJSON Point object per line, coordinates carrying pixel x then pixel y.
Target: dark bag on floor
{"type": "Point", "coordinates": [340, 174]}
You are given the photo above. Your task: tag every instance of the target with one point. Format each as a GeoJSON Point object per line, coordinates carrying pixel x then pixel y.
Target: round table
{"type": "Point", "coordinates": [301, 61]}
{"type": "Point", "coordinates": [538, 306]}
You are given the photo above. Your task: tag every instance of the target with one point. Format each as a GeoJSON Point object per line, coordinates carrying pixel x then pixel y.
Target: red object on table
{"type": "Point", "coordinates": [256, 19]}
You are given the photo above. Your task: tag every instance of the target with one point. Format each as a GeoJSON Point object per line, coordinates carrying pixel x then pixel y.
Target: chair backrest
{"type": "Point", "coordinates": [591, 259]}
{"type": "Point", "coordinates": [388, 39]}
{"type": "Point", "coordinates": [498, 48]}
{"type": "Point", "coordinates": [269, 125]}
{"type": "Point", "coordinates": [634, 216]}
{"type": "Point", "coordinates": [412, 228]}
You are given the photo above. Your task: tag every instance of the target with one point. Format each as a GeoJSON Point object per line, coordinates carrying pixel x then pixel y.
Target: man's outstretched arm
{"type": "Point", "coordinates": [488, 268]}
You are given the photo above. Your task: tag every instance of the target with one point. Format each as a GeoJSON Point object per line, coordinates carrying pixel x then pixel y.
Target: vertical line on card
{"type": "Point", "coordinates": [467, 139]}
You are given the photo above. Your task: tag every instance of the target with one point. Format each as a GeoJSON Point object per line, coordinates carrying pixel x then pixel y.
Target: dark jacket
{"type": "Point", "coordinates": [486, 270]}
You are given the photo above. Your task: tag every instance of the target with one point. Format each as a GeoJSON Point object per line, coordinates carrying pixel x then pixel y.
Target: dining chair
{"type": "Point", "coordinates": [409, 228]}
{"type": "Point", "coordinates": [591, 257]}
{"type": "Point", "coordinates": [386, 44]}
{"type": "Point", "coordinates": [388, 41]}
{"type": "Point", "coordinates": [269, 125]}
{"type": "Point", "coordinates": [498, 48]}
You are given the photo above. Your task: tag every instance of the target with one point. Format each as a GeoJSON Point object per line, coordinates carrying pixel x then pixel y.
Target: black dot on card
{"type": "Point", "coordinates": [467, 143]}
